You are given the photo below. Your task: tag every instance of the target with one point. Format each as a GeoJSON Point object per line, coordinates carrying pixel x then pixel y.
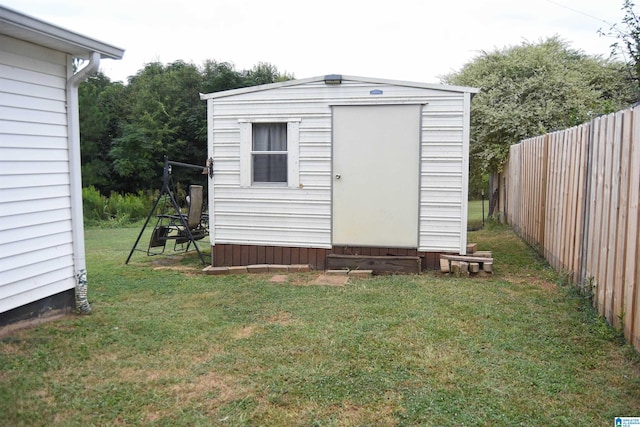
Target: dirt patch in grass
{"type": "Point", "coordinates": [10, 348]}
{"type": "Point", "coordinates": [245, 332]}
{"type": "Point", "coordinates": [380, 413]}
{"type": "Point", "coordinates": [282, 318]}
{"type": "Point", "coordinates": [532, 280]}
{"type": "Point", "coordinates": [217, 389]}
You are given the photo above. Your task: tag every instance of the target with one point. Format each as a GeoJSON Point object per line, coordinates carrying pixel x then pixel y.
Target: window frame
{"type": "Point", "coordinates": [267, 153]}
{"type": "Point", "coordinates": [247, 152]}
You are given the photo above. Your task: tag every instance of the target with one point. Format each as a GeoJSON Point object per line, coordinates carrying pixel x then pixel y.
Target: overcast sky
{"type": "Point", "coordinates": [415, 40]}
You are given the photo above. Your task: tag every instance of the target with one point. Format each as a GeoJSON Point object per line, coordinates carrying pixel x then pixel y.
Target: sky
{"type": "Point", "coordinates": [412, 40]}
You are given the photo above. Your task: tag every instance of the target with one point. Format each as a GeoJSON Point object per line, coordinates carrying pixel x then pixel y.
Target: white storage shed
{"type": "Point", "coordinates": [42, 259]}
{"type": "Point", "coordinates": [338, 165]}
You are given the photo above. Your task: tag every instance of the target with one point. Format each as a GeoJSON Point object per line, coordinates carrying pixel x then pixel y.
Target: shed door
{"type": "Point", "coordinates": [376, 157]}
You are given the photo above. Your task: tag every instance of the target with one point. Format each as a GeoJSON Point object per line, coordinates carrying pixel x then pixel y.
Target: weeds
{"type": "Point", "coordinates": [116, 210]}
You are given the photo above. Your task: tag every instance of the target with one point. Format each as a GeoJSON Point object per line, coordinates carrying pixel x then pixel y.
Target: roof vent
{"type": "Point", "coordinates": [333, 79]}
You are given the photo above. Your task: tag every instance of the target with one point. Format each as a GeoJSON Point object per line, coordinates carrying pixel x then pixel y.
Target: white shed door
{"type": "Point", "coordinates": [376, 158]}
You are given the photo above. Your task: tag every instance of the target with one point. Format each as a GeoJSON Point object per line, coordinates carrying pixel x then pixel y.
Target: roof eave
{"type": "Point", "coordinates": [226, 93]}
{"type": "Point", "coordinates": [18, 25]}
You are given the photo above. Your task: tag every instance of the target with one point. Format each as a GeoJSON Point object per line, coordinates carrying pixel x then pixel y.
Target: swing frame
{"type": "Point", "coordinates": [179, 221]}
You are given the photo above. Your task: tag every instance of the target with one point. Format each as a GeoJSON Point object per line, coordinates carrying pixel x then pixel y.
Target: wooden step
{"type": "Point", "coordinates": [463, 265]}
{"type": "Point", "coordinates": [377, 264]}
{"type": "Point", "coordinates": [466, 258]}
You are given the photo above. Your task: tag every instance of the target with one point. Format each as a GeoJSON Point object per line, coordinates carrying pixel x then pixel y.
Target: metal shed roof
{"type": "Point", "coordinates": [343, 78]}
{"type": "Point", "coordinates": [20, 26]}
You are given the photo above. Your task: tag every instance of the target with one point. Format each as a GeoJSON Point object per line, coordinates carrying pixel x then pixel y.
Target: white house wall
{"type": "Point", "coordinates": [301, 217]}
{"type": "Point", "coordinates": [35, 213]}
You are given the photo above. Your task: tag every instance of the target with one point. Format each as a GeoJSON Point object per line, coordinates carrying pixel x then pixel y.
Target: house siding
{"type": "Point", "coordinates": [301, 217]}
{"type": "Point", "coordinates": [35, 208]}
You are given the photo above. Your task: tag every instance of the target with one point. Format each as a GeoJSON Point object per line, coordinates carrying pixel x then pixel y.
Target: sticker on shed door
{"type": "Point", "coordinates": [376, 158]}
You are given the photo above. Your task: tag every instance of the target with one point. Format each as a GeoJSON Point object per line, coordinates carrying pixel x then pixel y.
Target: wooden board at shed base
{"type": "Point", "coordinates": [378, 264]}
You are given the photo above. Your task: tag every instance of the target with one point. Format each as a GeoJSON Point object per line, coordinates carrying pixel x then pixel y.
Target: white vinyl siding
{"type": "Point", "coordinates": [35, 213]}
{"type": "Point", "coordinates": [443, 196]}
{"type": "Point", "coordinates": [300, 215]}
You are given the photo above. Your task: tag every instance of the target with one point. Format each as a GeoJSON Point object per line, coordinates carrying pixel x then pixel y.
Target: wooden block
{"type": "Point", "coordinates": [472, 248]}
{"type": "Point", "coordinates": [487, 267]}
{"type": "Point", "coordinates": [337, 272]}
{"type": "Point", "coordinates": [215, 271]}
{"type": "Point", "coordinates": [483, 254]}
{"type": "Point", "coordinates": [361, 274]}
{"type": "Point", "coordinates": [278, 268]}
{"type": "Point", "coordinates": [444, 265]}
{"type": "Point", "coordinates": [299, 268]}
{"type": "Point", "coordinates": [258, 268]}
{"type": "Point", "coordinates": [474, 267]}
{"type": "Point", "coordinates": [241, 269]}
{"type": "Point", "coordinates": [455, 267]}
{"type": "Point", "coordinates": [466, 258]}
{"type": "Point", "coordinates": [464, 267]}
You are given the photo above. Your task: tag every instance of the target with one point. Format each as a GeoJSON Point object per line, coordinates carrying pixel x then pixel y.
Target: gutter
{"type": "Point", "coordinates": [77, 219]}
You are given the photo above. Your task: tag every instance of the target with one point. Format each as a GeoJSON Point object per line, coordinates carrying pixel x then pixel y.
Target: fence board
{"type": "Point", "coordinates": [598, 247]}
{"type": "Point", "coordinates": [614, 289]}
{"type": "Point", "coordinates": [582, 195]}
{"type": "Point", "coordinates": [574, 195]}
{"type": "Point", "coordinates": [632, 275]}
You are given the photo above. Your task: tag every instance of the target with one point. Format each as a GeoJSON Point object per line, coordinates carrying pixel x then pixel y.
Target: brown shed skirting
{"type": "Point", "coordinates": [229, 255]}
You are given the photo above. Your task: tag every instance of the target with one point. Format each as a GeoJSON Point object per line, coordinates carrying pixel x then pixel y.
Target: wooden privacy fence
{"type": "Point", "coordinates": [574, 195]}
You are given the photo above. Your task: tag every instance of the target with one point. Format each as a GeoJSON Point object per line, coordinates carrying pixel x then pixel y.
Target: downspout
{"type": "Point", "coordinates": [77, 219]}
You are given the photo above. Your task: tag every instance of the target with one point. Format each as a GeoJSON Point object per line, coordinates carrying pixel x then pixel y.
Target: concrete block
{"type": "Point", "coordinates": [472, 248]}
{"type": "Point", "coordinates": [276, 268]}
{"type": "Point", "coordinates": [299, 268]}
{"type": "Point", "coordinates": [241, 269]}
{"type": "Point", "coordinates": [474, 267]}
{"type": "Point", "coordinates": [337, 272]}
{"type": "Point", "coordinates": [258, 268]}
{"type": "Point", "coordinates": [215, 271]}
{"type": "Point", "coordinates": [361, 274]}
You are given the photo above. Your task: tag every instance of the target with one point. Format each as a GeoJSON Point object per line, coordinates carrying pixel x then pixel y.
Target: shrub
{"type": "Point", "coordinates": [93, 204]}
{"type": "Point", "coordinates": [117, 209]}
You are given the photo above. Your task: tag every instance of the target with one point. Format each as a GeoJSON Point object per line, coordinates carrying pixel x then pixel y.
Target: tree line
{"type": "Point", "coordinates": [526, 90]}
{"type": "Point", "coordinates": [126, 130]}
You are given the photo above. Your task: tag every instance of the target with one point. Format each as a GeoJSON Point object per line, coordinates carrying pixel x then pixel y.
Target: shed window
{"type": "Point", "coordinates": [269, 152]}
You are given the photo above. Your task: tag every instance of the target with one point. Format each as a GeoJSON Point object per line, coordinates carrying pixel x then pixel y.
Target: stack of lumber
{"type": "Point", "coordinates": [474, 263]}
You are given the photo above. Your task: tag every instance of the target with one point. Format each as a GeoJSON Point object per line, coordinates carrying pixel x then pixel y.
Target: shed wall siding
{"type": "Point", "coordinates": [35, 213]}
{"type": "Point", "coordinates": [301, 217]}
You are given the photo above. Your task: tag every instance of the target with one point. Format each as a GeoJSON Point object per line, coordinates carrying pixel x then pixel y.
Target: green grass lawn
{"type": "Point", "coordinates": [168, 346]}
{"type": "Point", "coordinates": [474, 214]}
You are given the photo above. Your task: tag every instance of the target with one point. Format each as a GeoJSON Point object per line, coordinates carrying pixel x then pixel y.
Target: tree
{"type": "Point", "coordinates": [628, 44]}
{"type": "Point", "coordinates": [166, 118]}
{"type": "Point", "coordinates": [264, 73]}
{"type": "Point", "coordinates": [532, 89]}
{"type": "Point", "coordinates": [127, 130]}
{"type": "Point", "coordinates": [102, 108]}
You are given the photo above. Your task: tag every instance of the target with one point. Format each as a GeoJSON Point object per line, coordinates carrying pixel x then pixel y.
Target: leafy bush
{"type": "Point", "coordinates": [117, 209]}
{"type": "Point", "coordinates": [93, 204]}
